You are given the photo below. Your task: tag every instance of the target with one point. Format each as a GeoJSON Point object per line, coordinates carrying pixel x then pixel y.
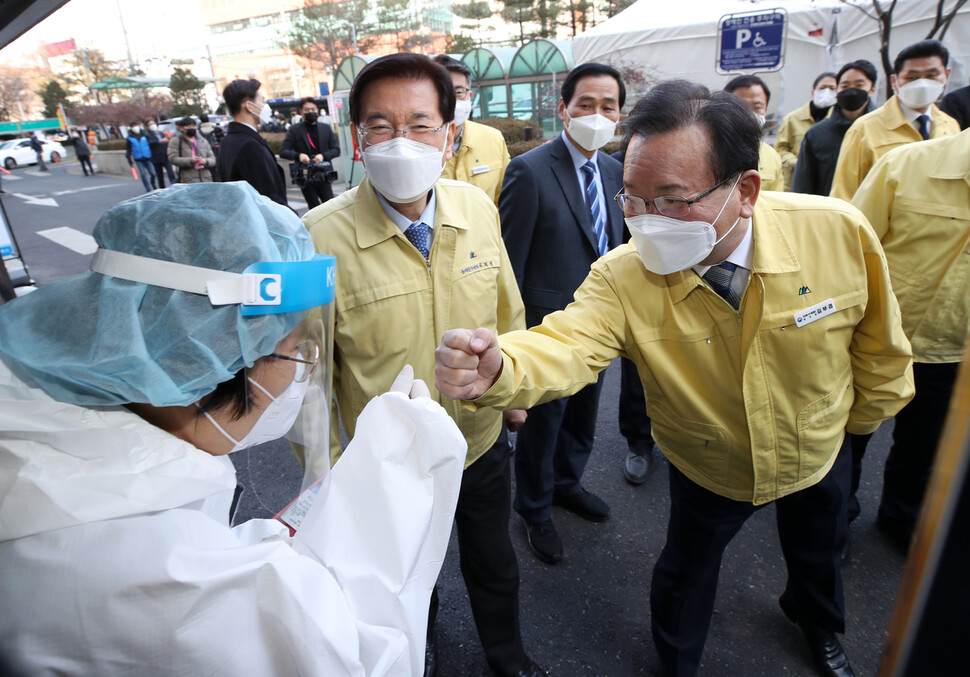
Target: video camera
{"type": "Point", "coordinates": [314, 173]}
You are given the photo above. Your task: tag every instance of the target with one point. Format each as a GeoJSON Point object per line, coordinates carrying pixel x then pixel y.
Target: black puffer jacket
{"type": "Point", "coordinates": [820, 153]}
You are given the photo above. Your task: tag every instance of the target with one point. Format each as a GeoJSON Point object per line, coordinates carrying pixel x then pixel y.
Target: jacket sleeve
{"type": "Point", "coordinates": [504, 150]}
{"type": "Point", "coordinates": [852, 166]}
{"type": "Point", "coordinates": [128, 150]}
{"type": "Point", "coordinates": [803, 179]}
{"type": "Point", "coordinates": [876, 195]}
{"type": "Point", "coordinates": [566, 352]}
{"type": "Point", "coordinates": [252, 166]}
{"type": "Point", "coordinates": [784, 143]}
{"type": "Point", "coordinates": [206, 151]}
{"type": "Point", "coordinates": [880, 353]}
{"type": "Point", "coordinates": [518, 209]}
{"type": "Point", "coordinates": [288, 150]}
{"type": "Point", "coordinates": [333, 146]}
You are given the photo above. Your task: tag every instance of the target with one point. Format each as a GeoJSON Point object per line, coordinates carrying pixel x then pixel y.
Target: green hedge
{"type": "Point", "coordinates": [512, 130]}
{"type": "Point", "coordinates": [521, 147]}
{"type": "Point", "coordinates": [111, 144]}
{"type": "Point", "coordinates": [274, 139]}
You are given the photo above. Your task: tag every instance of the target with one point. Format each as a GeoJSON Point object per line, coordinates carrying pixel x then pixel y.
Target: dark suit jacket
{"type": "Point", "coordinates": [956, 104]}
{"type": "Point", "coordinates": [547, 226]}
{"type": "Point", "coordinates": [245, 156]}
{"type": "Point", "coordinates": [297, 142]}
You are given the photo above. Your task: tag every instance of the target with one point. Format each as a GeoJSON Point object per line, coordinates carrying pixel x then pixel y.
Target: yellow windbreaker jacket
{"type": "Point", "coordinates": [769, 166]}
{"type": "Point", "coordinates": [875, 134]}
{"type": "Point", "coordinates": [481, 159]}
{"type": "Point", "coordinates": [392, 306]}
{"type": "Point", "coordinates": [917, 199]}
{"type": "Point", "coordinates": [745, 403]}
{"type": "Point", "coordinates": [788, 140]}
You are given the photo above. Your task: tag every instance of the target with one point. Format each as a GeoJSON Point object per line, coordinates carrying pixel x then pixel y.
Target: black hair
{"type": "Point", "coordinates": [408, 66]}
{"type": "Point", "coordinates": [453, 65]}
{"type": "Point", "coordinates": [231, 395]}
{"type": "Point", "coordinates": [748, 81]}
{"type": "Point", "coordinates": [185, 122]}
{"type": "Point", "coordinates": [921, 49]}
{"type": "Point", "coordinates": [822, 76]}
{"type": "Point", "coordinates": [203, 117]}
{"type": "Point", "coordinates": [867, 68]}
{"type": "Point", "coordinates": [130, 124]}
{"type": "Point", "coordinates": [305, 100]}
{"type": "Point", "coordinates": [588, 70]}
{"type": "Point", "coordinates": [239, 92]}
{"type": "Point", "coordinates": [734, 132]}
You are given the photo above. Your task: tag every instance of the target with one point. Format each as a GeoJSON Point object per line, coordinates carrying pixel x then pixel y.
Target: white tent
{"type": "Point", "coordinates": [658, 39]}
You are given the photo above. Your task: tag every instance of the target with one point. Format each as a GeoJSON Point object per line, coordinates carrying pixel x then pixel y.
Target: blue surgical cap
{"type": "Point", "coordinates": [92, 339]}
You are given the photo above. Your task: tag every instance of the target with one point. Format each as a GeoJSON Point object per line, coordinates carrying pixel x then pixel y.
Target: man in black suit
{"type": "Point", "coordinates": [311, 141]}
{"type": "Point", "coordinates": [245, 155]}
{"type": "Point", "coordinates": [956, 104]}
{"type": "Point", "coordinates": [558, 217]}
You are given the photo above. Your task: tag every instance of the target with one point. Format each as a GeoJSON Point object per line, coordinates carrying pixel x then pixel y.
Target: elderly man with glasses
{"type": "Point", "coordinates": [419, 255]}
{"type": "Point", "coordinates": [763, 327]}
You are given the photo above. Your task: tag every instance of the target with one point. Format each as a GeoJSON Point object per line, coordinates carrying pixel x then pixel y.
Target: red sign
{"type": "Point", "coordinates": [60, 48]}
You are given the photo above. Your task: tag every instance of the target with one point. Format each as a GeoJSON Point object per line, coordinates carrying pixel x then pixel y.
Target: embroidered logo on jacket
{"type": "Point", "coordinates": [803, 291]}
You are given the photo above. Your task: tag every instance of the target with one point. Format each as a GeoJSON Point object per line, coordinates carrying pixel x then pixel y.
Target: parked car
{"type": "Point", "coordinates": [18, 152]}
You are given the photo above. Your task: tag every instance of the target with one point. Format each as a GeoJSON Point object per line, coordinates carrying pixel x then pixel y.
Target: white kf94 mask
{"type": "Point", "coordinates": [403, 170]}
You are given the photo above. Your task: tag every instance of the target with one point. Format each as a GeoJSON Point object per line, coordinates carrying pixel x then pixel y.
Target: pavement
{"type": "Point", "coordinates": [588, 614]}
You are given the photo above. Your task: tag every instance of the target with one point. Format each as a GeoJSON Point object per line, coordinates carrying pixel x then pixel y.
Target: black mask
{"type": "Point", "coordinates": [852, 98]}
{"type": "Point", "coordinates": [310, 118]}
{"type": "Point", "coordinates": [190, 132]}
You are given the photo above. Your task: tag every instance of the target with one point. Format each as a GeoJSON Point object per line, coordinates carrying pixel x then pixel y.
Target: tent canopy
{"type": "Point", "coordinates": [653, 40]}
{"type": "Point", "coordinates": [136, 83]}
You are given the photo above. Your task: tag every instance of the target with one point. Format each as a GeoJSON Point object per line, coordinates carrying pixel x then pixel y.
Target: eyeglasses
{"type": "Point", "coordinates": [461, 92]}
{"type": "Point", "coordinates": [378, 133]}
{"type": "Point", "coordinates": [674, 206]}
{"type": "Point", "coordinates": [308, 353]}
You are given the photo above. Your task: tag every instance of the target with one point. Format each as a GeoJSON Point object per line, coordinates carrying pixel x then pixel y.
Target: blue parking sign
{"type": "Point", "coordinates": [752, 41]}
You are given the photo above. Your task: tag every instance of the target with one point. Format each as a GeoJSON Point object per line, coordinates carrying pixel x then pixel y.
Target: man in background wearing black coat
{"type": "Point", "coordinates": [244, 154]}
{"type": "Point", "coordinates": [311, 141]}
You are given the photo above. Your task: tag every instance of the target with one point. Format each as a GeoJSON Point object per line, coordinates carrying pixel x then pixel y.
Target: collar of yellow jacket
{"type": "Point", "coordinates": [953, 163]}
{"type": "Point", "coordinates": [895, 119]}
{"type": "Point", "coordinates": [772, 253]}
{"type": "Point", "coordinates": [373, 226]}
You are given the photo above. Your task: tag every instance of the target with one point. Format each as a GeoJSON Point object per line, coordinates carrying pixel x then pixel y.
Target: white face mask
{"type": "Point", "coordinates": [403, 170]}
{"type": "Point", "coordinates": [275, 421]}
{"type": "Point", "coordinates": [591, 132]}
{"type": "Point", "coordinates": [667, 245]}
{"type": "Point", "coordinates": [824, 98]}
{"type": "Point", "coordinates": [920, 93]}
{"type": "Point", "coordinates": [152, 128]}
{"type": "Point", "coordinates": [761, 119]}
{"type": "Point", "coordinates": [265, 114]}
{"type": "Point", "coordinates": [463, 108]}
{"type": "Point", "coordinates": [136, 129]}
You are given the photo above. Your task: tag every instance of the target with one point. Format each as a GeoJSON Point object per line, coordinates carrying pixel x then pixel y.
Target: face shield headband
{"type": "Point", "coordinates": [263, 288]}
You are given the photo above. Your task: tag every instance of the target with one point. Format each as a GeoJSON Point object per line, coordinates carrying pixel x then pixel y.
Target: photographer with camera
{"type": "Point", "coordinates": [311, 145]}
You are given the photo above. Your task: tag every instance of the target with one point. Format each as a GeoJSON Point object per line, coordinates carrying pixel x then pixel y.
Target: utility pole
{"type": "Point", "coordinates": [124, 31]}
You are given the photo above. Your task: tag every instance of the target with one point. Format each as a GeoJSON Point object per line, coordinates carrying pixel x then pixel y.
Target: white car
{"type": "Point", "coordinates": [17, 152]}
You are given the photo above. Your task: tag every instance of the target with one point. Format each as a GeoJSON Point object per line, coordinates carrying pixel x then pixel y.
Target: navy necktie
{"type": "Point", "coordinates": [719, 277]}
{"type": "Point", "coordinates": [924, 126]}
{"type": "Point", "coordinates": [593, 201]}
{"type": "Point", "coordinates": [418, 234]}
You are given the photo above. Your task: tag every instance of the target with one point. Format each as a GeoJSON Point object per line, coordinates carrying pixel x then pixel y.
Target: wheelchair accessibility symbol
{"type": "Point", "coordinates": [758, 40]}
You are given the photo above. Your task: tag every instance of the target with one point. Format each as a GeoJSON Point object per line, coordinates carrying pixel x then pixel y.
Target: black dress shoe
{"type": "Point", "coordinates": [544, 541]}
{"type": "Point", "coordinates": [636, 466]}
{"type": "Point", "coordinates": [897, 535]}
{"type": "Point", "coordinates": [588, 506]}
{"type": "Point", "coordinates": [830, 658]}
{"type": "Point", "coordinates": [431, 658]}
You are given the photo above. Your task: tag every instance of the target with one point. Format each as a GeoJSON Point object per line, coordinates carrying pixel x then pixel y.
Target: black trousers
{"type": "Point", "coordinates": [634, 422]}
{"type": "Point", "coordinates": [487, 558]}
{"type": "Point", "coordinates": [915, 439]}
{"type": "Point", "coordinates": [316, 194]}
{"type": "Point", "coordinates": [162, 168]}
{"type": "Point", "coordinates": [812, 527]}
{"type": "Point", "coordinates": [551, 451]}
{"type": "Point", "coordinates": [85, 161]}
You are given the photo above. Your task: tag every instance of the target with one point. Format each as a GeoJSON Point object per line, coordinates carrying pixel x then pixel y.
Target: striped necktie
{"type": "Point", "coordinates": [593, 201]}
{"type": "Point", "coordinates": [417, 234]}
{"type": "Point", "coordinates": [719, 277]}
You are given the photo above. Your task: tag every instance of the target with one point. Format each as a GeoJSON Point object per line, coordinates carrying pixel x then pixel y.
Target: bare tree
{"type": "Point", "coordinates": [944, 18]}
{"type": "Point", "coordinates": [13, 89]}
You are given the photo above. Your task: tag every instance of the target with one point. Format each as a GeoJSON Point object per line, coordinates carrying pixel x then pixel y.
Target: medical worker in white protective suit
{"type": "Point", "coordinates": [119, 401]}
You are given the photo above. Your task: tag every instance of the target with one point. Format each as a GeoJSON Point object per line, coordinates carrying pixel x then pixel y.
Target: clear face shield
{"type": "Point", "coordinates": [302, 289]}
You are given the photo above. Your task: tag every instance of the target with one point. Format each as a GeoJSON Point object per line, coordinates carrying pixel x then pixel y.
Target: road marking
{"type": "Point", "coordinates": [75, 240]}
{"type": "Point", "coordinates": [34, 200]}
{"type": "Point", "coordinates": [37, 172]}
{"type": "Point", "coordinates": [81, 190]}
{"type": "Point", "coordinates": [10, 177]}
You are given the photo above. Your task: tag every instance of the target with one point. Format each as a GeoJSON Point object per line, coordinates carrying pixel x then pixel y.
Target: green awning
{"type": "Point", "coordinates": [489, 64]}
{"type": "Point", "coordinates": [348, 69]}
{"type": "Point", "coordinates": [541, 57]}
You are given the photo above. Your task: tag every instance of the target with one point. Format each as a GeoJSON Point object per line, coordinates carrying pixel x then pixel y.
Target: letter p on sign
{"type": "Point", "coordinates": [742, 37]}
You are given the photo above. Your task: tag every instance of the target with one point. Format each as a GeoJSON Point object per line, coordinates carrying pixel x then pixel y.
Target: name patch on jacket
{"type": "Point", "coordinates": [816, 312]}
{"type": "Point", "coordinates": [480, 170]}
{"type": "Point", "coordinates": [477, 263]}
